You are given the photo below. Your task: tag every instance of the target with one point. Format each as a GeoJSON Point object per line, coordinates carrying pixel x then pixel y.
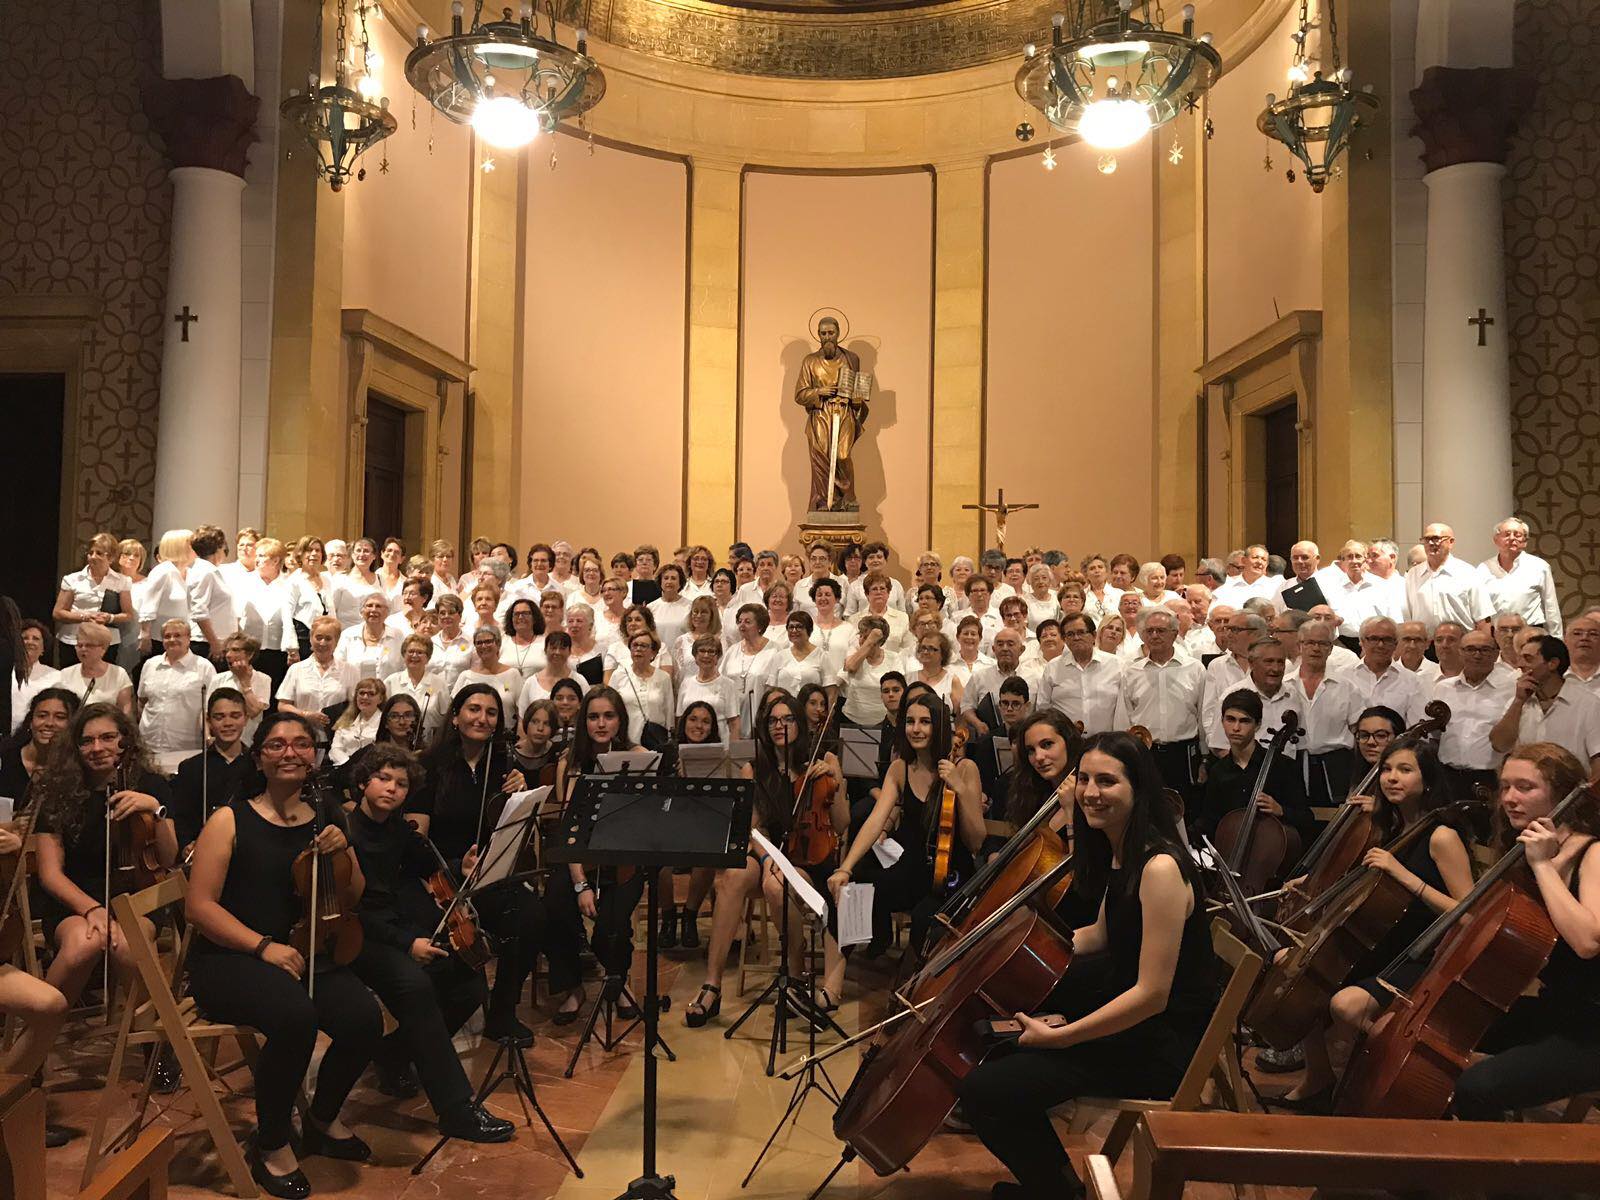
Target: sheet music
{"type": "Point", "coordinates": [633, 762]}
{"type": "Point", "coordinates": [497, 862]}
{"type": "Point", "coordinates": [1004, 754]}
{"type": "Point", "coordinates": [714, 760]}
{"type": "Point", "coordinates": [8, 809]}
{"type": "Point", "coordinates": [887, 851]}
{"type": "Point", "coordinates": [799, 882]}
{"type": "Point", "coordinates": [855, 914]}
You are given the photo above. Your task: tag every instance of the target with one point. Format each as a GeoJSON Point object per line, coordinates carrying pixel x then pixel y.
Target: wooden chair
{"type": "Point", "coordinates": [21, 1139]}
{"type": "Point", "coordinates": [1098, 1179]}
{"type": "Point", "coordinates": [1216, 1059]}
{"type": "Point", "coordinates": [756, 913]}
{"type": "Point", "coordinates": [137, 1173]}
{"type": "Point", "coordinates": [154, 1016]}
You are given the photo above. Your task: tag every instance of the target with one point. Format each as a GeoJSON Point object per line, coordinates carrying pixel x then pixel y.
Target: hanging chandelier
{"type": "Point", "coordinates": [1109, 77]}
{"type": "Point", "coordinates": [1318, 116]}
{"type": "Point", "coordinates": [339, 122]}
{"type": "Point", "coordinates": [502, 78]}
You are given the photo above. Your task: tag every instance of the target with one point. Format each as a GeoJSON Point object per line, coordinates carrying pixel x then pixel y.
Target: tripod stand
{"type": "Point", "coordinates": [514, 1071]}
{"type": "Point", "coordinates": [605, 1007]}
{"type": "Point", "coordinates": [813, 1076]}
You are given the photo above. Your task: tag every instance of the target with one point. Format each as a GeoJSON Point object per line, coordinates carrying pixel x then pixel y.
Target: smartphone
{"type": "Point", "coordinates": [1008, 1029]}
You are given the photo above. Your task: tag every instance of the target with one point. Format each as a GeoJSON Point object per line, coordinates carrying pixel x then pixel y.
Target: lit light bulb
{"type": "Point", "coordinates": [1112, 124]}
{"type": "Point", "coordinates": [369, 87]}
{"type": "Point", "coordinates": [1106, 164]}
{"type": "Point", "coordinates": [505, 122]}
{"type": "Point", "coordinates": [1298, 73]}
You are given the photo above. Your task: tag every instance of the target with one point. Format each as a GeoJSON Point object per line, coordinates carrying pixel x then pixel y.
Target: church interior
{"type": "Point", "coordinates": [1170, 283]}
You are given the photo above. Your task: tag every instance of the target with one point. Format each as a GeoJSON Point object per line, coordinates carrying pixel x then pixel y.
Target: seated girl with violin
{"type": "Point", "coordinates": [1133, 1031]}
{"type": "Point", "coordinates": [1229, 779]}
{"type": "Point", "coordinates": [1547, 1047]}
{"type": "Point", "coordinates": [97, 786]}
{"type": "Point", "coordinates": [923, 787]}
{"type": "Point", "coordinates": [788, 781]}
{"type": "Point", "coordinates": [1436, 869]}
{"type": "Point", "coordinates": [429, 990]}
{"type": "Point", "coordinates": [250, 964]}
{"type": "Point", "coordinates": [610, 898]}
{"type": "Point", "coordinates": [470, 773]}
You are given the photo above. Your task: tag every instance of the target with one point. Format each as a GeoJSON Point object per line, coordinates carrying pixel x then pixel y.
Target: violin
{"type": "Point", "coordinates": [1256, 846]}
{"type": "Point", "coordinates": [942, 821]}
{"type": "Point", "coordinates": [328, 927]}
{"type": "Point", "coordinates": [1485, 953]}
{"type": "Point", "coordinates": [133, 854]}
{"type": "Point", "coordinates": [1350, 834]}
{"type": "Point", "coordinates": [813, 840]}
{"type": "Point", "coordinates": [459, 921]}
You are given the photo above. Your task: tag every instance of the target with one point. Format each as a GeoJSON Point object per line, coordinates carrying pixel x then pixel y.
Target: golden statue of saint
{"type": "Point", "coordinates": [834, 394]}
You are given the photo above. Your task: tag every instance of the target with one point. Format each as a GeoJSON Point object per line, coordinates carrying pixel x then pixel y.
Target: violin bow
{"type": "Point", "coordinates": [314, 786]}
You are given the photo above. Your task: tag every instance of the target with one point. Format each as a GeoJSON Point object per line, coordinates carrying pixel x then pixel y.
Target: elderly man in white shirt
{"type": "Point", "coordinates": [1200, 642]}
{"type": "Point", "coordinates": [1268, 666]}
{"type": "Point", "coordinates": [1354, 595]}
{"type": "Point", "coordinates": [1231, 669]}
{"type": "Point", "coordinates": [1477, 701]}
{"type": "Point", "coordinates": [1413, 654]}
{"type": "Point", "coordinates": [1546, 708]}
{"type": "Point", "coordinates": [1328, 706]}
{"type": "Point", "coordinates": [986, 681]}
{"type": "Point", "coordinates": [1383, 568]}
{"type": "Point", "coordinates": [1519, 582]}
{"type": "Point", "coordinates": [1378, 679]}
{"type": "Point", "coordinates": [1443, 587]}
{"type": "Point", "coordinates": [1085, 682]}
{"type": "Point", "coordinates": [1166, 695]}
{"type": "Point", "coordinates": [1252, 582]}
{"type": "Point", "coordinates": [1583, 640]}
{"type": "Point", "coordinates": [172, 698]}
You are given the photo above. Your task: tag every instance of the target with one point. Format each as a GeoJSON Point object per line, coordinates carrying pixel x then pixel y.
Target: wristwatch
{"type": "Point", "coordinates": [161, 812]}
{"type": "Point", "coordinates": [580, 888]}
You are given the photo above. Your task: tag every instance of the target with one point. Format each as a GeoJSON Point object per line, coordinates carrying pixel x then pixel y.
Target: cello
{"type": "Point", "coordinates": [1254, 844]}
{"type": "Point", "coordinates": [1485, 953]}
{"type": "Point", "coordinates": [1350, 834]}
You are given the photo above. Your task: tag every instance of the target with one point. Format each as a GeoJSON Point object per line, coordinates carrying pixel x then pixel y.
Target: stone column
{"type": "Point", "coordinates": [208, 126]}
{"type": "Point", "coordinates": [1464, 118]}
{"type": "Point", "coordinates": [711, 465]}
{"type": "Point", "coordinates": [960, 213]}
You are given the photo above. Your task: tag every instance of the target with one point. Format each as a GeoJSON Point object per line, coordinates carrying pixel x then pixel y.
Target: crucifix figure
{"type": "Point", "coordinates": [1001, 510]}
{"type": "Point", "coordinates": [186, 318]}
{"type": "Point", "coordinates": [1482, 320]}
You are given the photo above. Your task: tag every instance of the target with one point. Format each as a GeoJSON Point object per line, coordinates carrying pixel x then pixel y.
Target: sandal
{"type": "Point", "coordinates": [698, 1012]}
{"type": "Point", "coordinates": [827, 1004]}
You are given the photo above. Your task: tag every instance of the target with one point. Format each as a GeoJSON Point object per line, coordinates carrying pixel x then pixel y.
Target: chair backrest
{"type": "Point", "coordinates": [1246, 969]}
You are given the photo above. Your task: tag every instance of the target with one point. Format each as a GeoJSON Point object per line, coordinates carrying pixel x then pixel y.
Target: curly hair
{"type": "Point", "coordinates": [61, 787]}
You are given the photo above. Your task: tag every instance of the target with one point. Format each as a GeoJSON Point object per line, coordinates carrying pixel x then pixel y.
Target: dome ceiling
{"type": "Point", "coordinates": [818, 39]}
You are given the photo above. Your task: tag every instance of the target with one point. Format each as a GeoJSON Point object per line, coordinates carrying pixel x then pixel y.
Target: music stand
{"type": "Point", "coordinates": [860, 747]}
{"type": "Point", "coordinates": [650, 822]}
{"type": "Point", "coordinates": [714, 760]}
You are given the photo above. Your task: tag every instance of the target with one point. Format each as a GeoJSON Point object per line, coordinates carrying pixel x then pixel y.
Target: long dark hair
{"type": "Point", "coordinates": [446, 749]}
{"type": "Point", "coordinates": [829, 733]}
{"type": "Point", "coordinates": [1029, 789]}
{"type": "Point", "coordinates": [387, 707]}
{"type": "Point", "coordinates": [24, 734]}
{"type": "Point", "coordinates": [940, 747]}
{"type": "Point", "coordinates": [775, 770]}
{"type": "Point", "coordinates": [584, 752]}
{"type": "Point", "coordinates": [11, 638]}
{"type": "Point", "coordinates": [61, 788]}
{"type": "Point", "coordinates": [1152, 825]}
{"type": "Point", "coordinates": [1435, 789]}
{"type": "Point", "coordinates": [711, 715]}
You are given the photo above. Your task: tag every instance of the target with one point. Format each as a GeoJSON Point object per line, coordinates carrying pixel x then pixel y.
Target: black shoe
{"type": "Point", "coordinates": [693, 1019]}
{"type": "Point", "coordinates": [57, 1136]}
{"type": "Point", "coordinates": [317, 1141]}
{"type": "Point", "coordinates": [476, 1124]}
{"type": "Point", "coordinates": [569, 1015]}
{"type": "Point", "coordinates": [398, 1079]}
{"type": "Point", "coordinates": [504, 1027]}
{"type": "Point", "coordinates": [293, 1186]}
{"type": "Point", "coordinates": [1318, 1104]}
{"type": "Point", "coordinates": [690, 937]}
{"type": "Point", "coordinates": [1279, 1062]}
{"type": "Point", "coordinates": [667, 939]}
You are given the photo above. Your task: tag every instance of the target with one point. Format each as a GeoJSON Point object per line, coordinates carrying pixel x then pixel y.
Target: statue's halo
{"type": "Point", "coordinates": [828, 311]}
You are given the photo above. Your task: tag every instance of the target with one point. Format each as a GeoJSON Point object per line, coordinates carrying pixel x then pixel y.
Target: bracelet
{"type": "Point", "coordinates": [1422, 886]}
{"type": "Point", "coordinates": [86, 912]}
{"type": "Point", "coordinates": [261, 947]}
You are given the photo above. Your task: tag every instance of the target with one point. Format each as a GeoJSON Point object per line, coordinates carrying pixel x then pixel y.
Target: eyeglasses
{"type": "Point", "coordinates": [1369, 737]}
{"type": "Point", "coordinates": [1376, 639]}
{"type": "Point", "coordinates": [283, 746]}
{"type": "Point", "coordinates": [781, 722]}
{"type": "Point", "coordinates": [1435, 539]}
{"type": "Point", "coordinates": [1480, 650]}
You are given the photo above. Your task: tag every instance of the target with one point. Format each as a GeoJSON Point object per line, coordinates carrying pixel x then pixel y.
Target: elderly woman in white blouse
{"type": "Point", "coordinates": [94, 679]}
{"type": "Point", "coordinates": [646, 689]}
{"type": "Point", "coordinates": [266, 611]}
{"type": "Point", "coordinates": [313, 592]}
{"type": "Point", "coordinates": [359, 582]}
{"type": "Point", "coordinates": [320, 681]}
{"type": "Point", "coordinates": [172, 691]}
{"type": "Point", "coordinates": [1039, 594]}
{"type": "Point", "coordinates": [35, 676]}
{"type": "Point", "coordinates": [371, 647]}
{"type": "Point", "coordinates": [452, 647]}
{"type": "Point", "coordinates": [239, 653]}
{"type": "Point", "coordinates": [418, 680]}
{"type": "Point", "coordinates": [488, 669]}
{"type": "Point", "coordinates": [82, 599]}
{"type": "Point", "coordinates": [166, 591]}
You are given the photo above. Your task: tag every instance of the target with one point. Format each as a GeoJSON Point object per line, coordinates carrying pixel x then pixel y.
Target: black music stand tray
{"type": "Point", "coordinates": [650, 822]}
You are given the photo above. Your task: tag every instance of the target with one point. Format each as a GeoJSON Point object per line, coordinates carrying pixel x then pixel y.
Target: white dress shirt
{"type": "Point", "coordinates": [508, 683]}
{"type": "Point", "coordinates": [856, 596]}
{"type": "Point", "coordinates": [85, 595]}
{"type": "Point", "coordinates": [1328, 716]}
{"type": "Point", "coordinates": [171, 701]}
{"type": "Point", "coordinates": [308, 600]}
{"type": "Point", "coordinates": [260, 686]}
{"type": "Point", "coordinates": [311, 687]}
{"type": "Point", "coordinates": [1100, 607]}
{"type": "Point", "coordinates": [1528, 589]}
{"type": "Point", "coordinates": [351, 593]}
{"type": "Point", "coordinates": [1272, 710]}
{"type": "Point", "coordinates": [1234, 591]}
{"type": "Point", "coordinates": [986, 681]}
{"type": "Point", "coordinates": [963, 669]}
{"type": "Point", "coordinates": [1455, 592]}
{"type": "Point", "coordinates": [371, 661]}
{"type": "Point", "coordinates": [1167, 698]}
{"type": "Point", "coordinates": [792, 674]}
{"type": "Point", "coordinates": [104, 689]}
{"type": "Point", "coordinates": [353, 738]}
{"type": "Point", "coordinates": [671, 616]}
{"type": "Point", "coordinates": [1399, 689]}
{"type": "Point", "coordinates": [899, 642]}
{"type": "Point", "coordinates": [645, 699]}
{"type": "Point", "coordinates": [1474, 711]}
{"type": "Point", "coordinates": [989, 624]}
{"type": "Point", "coordinates": [429, 693]}
{"type": "Point", "coordinates": [1087, 693]}
{"type": "Point", "coordinates": [724, 697]}
{"type": "Point", "coordinates": [1590, 685]}
{"type": "Point", "coordinates": [1573, 722]}
{"type": "Point", "coordinates": [165, 598]}
{"type": "Point", "coordinates": [211, 599]}
{"type": "Point", "coordinates": [1223, 675]}
{"type": "Point", "coordinates": [266, 611]}
{"type": "Point", "coordinates": [451, 656]}
{"type": "Point", "coordinates": [1427, 672]}
{"type": "Point", "coordinates": [1200, 642]}
{"type": "Point", "coordinates": [1358, 602]}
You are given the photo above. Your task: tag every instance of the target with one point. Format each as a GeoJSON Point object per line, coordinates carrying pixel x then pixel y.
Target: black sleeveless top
{"type": "Point", "coordinates": [1418, 859]}
{"type": "Point", "coordinates": [1195, 984]}
{"type": "Point", "coordinates": [1568, 978]}
{"type": "Point", "coordinates": [914, 834]}
{"type": "Point", "coordinates": [259, 890]}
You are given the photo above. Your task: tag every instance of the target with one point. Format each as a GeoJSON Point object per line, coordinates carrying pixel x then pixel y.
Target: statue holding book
{"type": "Point", "coordinates": [835, 392]}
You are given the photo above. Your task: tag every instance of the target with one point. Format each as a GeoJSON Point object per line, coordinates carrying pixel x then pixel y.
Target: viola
{"type": "Point", "coordinates": [328, 928]}
{"type": "Point", "coordinates": [1485, 953]}
{"type": "Point", "coordinates": [1257, 846]}
{"type": "Point", "coordinates": [458, 920]}
{"type": "Point", "coordinates": [1351, 833]}
{"type": "Point", "coordinates": [813, 841]}
{"type": "Point", "coordinates": [134, 857]}
{"type": "Point", "coordinates": [942, 820]}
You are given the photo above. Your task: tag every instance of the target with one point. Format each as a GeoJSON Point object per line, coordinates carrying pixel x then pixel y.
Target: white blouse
{"type": "Point", "coordinates": [534, 690]}
{"type": "Point", "coordinates": [266, 611]}
{"type": "Point", "coordinates": [171, 700]}
{"type": "Point", "coordinates": [354, 738]}
{"type": "Point", "coordinates": [721, 693]}
{"type": "Point", "coordinates": [370, 661]}
{"type": "Point", "coordinates": [507, 682]}
{"type": "Point", "coordinates": [529, 659]}
{"type": "Point", "coordinates": [103, 689]}
{"type": "Point", "coordinates": [671, 618]}
{"type": "Point", "coordinates": [39, 678]}
{"type": "Point", "coordinates": [792, 674]}
{"type": "Point", "coordinates": [645, 699]}
{"type": "Point", "coordinates": [85, 595]}
{"type": "Point", "coordinates": [431, 695]}
{"type": "Point", "coordinates": [451, 656]}
{"type": "Point", "coordinates": [260, 686]}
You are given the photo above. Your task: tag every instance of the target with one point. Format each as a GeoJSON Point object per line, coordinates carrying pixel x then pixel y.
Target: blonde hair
{"type": "Point", "coordinates": [324, 622]}
{"type": "Point", "coordinates": [176, 545]}
{"type": "Point", "coordinates": [269, 547]}
{"type": "Point", "coordinates": [348, 717]}
{"type": "Point", "coordinates": [419, 640]}
{"type": "Point", "coordinates": [95, 635]}
{"type": "Point", "coordinates": [132, 546]}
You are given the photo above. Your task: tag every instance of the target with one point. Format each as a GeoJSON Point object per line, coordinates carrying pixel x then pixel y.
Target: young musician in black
{"type": "Point", "coordinates": [1132, 1032]}
{"type": "Point", "coordinates": [469, 775]}
{"type": "Point", "coordinates": [101, 771]}
{"type": "Point", "coordinates": [1230, 778]}
{"type": "Point", "coordinates": [243, 971]}
{"type": "Point", "coordinates": [23, 754]}
{"type": "Point", "coordinates": [220, 773]}
{"type": "Point", "coordinates": [1547, 1047]}
{"type": "Point", "coordinates": [428, 989]}
{"type": "Point", "coordinates": [908, 801]}
{"type": "Point", "coordinates": [697, 726]}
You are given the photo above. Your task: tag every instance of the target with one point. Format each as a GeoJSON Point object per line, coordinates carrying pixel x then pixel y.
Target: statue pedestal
{"type": "Point", "coordinates": [832, 529]}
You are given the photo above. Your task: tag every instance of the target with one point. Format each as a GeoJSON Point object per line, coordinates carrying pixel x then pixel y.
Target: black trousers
{"type": "Point", "coordinates": [904, 887]}
{"type": "Point", "coordinates": [1007, 1098]}
{"type": "Point", "coordinates": [563, 936]}
{"type": "Point", "coordinates": [1177, 762]}
{"type": "Point", "coordinates": [1541, 1051]}
{"type": "Point", "coordinates": [240, 990]}
{"type": "Point", "coordinates": [430, 1004]}
{"type": "Point", "coordinates": [519, 922]}
{"type": "Point", "coordinates": [612, 940]}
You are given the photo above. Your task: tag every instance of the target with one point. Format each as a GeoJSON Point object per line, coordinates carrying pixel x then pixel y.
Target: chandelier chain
{"type": "Point", "coordinates": [315, 77]}
{"type": "Point", "coordinates": [366, 41]}
{"type": "Point", "coordinates": [1333, 33]}
{"type": "Point", "coordinates": [339, 45]}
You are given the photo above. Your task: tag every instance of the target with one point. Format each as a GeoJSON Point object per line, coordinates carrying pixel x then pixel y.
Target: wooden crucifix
{"type": "Point", "coordinates": [186, 319]}
{"type": "Point", "coordinates": [1001, 511]}
{"type": "Point", "coordinates": [1482, 321]}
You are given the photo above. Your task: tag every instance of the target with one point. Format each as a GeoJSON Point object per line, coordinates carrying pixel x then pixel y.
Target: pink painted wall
{"type": "Point", "coordinates": [1068, 396]}
{"type": "Point", "coordinates": [405, 232]}
{"type": "Point", "coordinates": [1265, 233]}
{"type": "Point", "coordinates": [603, 348]}
{"type": "Point", "coordinates": [863, 244]}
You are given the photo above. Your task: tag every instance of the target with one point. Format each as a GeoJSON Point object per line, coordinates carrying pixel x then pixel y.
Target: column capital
{"type": "Point", "coordinates": [1468, 114]}
{"type": "Point", "coordinates": [204, 122]}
